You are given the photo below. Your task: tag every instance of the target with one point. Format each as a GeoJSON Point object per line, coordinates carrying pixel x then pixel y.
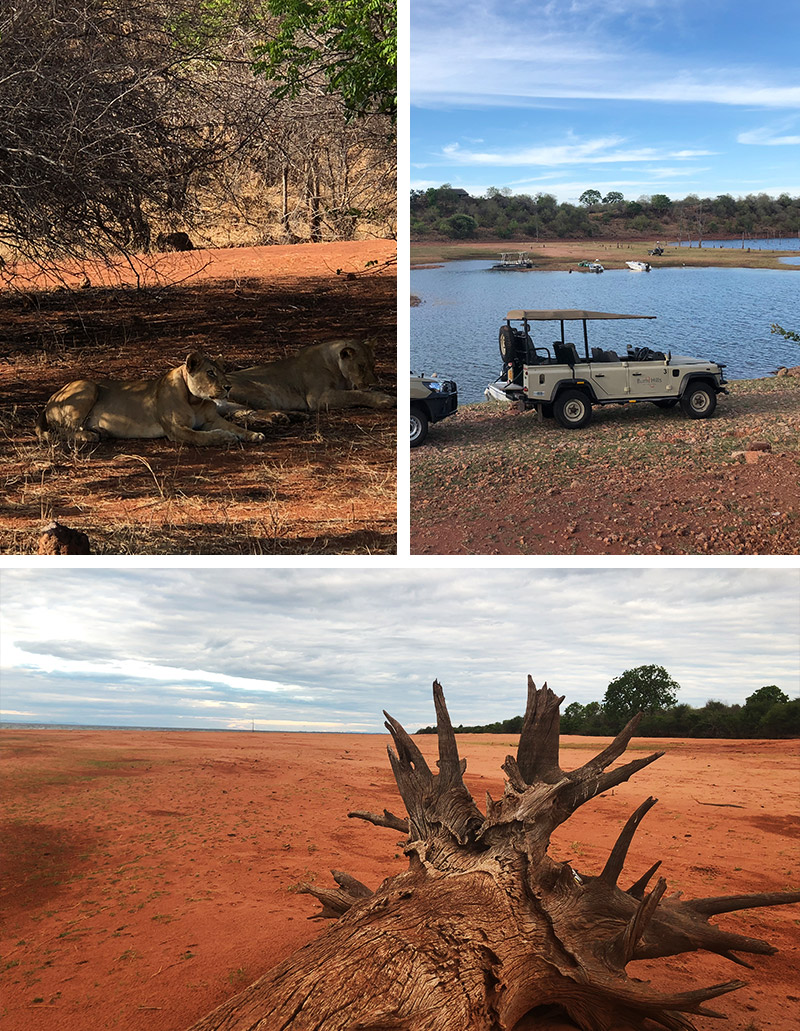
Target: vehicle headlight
{"type": "Point", "coordinates": [434, 384]}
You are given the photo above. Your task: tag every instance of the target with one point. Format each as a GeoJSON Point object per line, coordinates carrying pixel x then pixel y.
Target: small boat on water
{"type": "Point", "coordinates": [591, 266]}
{"type": "Point", "coordinates": [638, 266]}
{"type": "Point", "coordinates": [511, 261]}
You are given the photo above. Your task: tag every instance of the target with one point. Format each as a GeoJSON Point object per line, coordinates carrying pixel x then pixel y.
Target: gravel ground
{"type": "Point", "coordinates": [637, 481]}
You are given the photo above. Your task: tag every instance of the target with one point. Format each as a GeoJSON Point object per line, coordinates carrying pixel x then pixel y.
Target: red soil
{"type": "Point", "coordinates": [150, 875]}
{"type": "Point", "coordinates": [324, 484]}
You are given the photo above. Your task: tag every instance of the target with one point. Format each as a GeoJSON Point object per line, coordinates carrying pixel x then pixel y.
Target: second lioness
{"type": "Point", "coordinates": [336, 374]}
{"type": "Point", "coordinates": [178, 405]}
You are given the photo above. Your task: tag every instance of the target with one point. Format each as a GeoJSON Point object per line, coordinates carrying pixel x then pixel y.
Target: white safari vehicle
{"type": "Point", "coordinates": [563, 382]}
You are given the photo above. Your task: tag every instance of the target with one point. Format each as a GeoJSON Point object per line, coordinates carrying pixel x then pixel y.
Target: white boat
{"type": "Point", "coordinates": [591, 266]}
{"type": "Point", "coordinates": [638, 266]}
{"type": "Point", "coordinates": [511, 261]}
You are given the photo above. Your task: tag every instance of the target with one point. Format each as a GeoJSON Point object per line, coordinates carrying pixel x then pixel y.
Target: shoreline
{"type": "Point", "coordinates": [564, 255]}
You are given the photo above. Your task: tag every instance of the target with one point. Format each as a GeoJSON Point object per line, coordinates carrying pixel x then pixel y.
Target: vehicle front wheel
{"type": "Point", "coordinates": [572, 409]}
{"type": "Point", "coordinates": [699, 401]}
{"type": "Point", "coordinates": [419, 427]}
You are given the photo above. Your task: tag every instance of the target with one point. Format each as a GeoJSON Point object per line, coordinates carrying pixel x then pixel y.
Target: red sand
{"type": "Point", "coordinates": [150, 875]}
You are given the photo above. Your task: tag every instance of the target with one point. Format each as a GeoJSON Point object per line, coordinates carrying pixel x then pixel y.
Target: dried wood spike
{"type": "Point", "coordinates": [484, 930]}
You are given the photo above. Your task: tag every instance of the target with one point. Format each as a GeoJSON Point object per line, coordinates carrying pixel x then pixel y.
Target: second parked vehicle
{"type": "Point", "coordinates": [432, 399]}
{"type": "Point", "coordinates": [563, 383]}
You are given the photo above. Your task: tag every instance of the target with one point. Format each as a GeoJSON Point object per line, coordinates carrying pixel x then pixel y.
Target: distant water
{"type": "Point", "coordinates": [179, 730]}
{"type": "Point", "coordinates": [774, 243]}
{"type": "Point", "coordinates": [719, 313]}
{"type": "Point", "coordinates": [4, 725]}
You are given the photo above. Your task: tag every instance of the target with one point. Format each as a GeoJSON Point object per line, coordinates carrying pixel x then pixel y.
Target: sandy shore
{"type": "Point", "coordinates": [150, 875]}
{"type": "Point", "coordinates": [562, 255]}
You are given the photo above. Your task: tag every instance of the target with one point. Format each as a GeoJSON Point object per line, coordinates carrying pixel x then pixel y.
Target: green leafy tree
{"type": "Point", "coordinates": [788, 334]}
{"type": "Point", "coordinates": [781, 720]}
{"type": "Point", "coordinates": [613, 197]}
{"type": "Point", "coordinates": [758, 704]}
{"type": "Point", "coordinates": [459, 227]}
{"type": "Point", "coordinates": [660, 203]}
{"type": "Point", "coordinates": [590, 197]}
{"type": "Point", "coordinates": [643, 689]}
{"type": "Point", "coordinates": [572, 718]}
{"type": "Point", "coordinates": [352, 44]}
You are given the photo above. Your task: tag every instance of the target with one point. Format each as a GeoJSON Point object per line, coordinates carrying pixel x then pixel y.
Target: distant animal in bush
{"type": "Point", "coordinates": [335, 374]}
{"type": "Point", "coordinates": [174, 242]}
{"type": "Point", "coordinates": [178, 405]}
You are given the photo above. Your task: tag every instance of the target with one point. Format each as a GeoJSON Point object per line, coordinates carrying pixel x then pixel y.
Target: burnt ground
{"type": "Point", "coordinates": [326, 484]}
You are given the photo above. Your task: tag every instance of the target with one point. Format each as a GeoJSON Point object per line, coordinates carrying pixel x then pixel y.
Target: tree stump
{"type": "Point", "coordinates": [484, 931]}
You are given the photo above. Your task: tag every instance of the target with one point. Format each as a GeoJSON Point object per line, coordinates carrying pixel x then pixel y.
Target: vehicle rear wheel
{"type": "Point", "coordinates": [419, 427]}
{"type": "Point", "coordinates": [572, 409]}
{"type": "Point", "coordinates": [667, 402]}
{"type": "Point", "coordinates": [699, 401]}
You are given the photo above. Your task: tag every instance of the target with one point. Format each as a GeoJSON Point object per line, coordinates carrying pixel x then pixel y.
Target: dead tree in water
{"type": "Point", "coordinates": [484, 929]}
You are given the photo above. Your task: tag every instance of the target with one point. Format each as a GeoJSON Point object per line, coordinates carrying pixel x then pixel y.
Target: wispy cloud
{"type": "Point", "coordinates": [604, 150]}
{"type": "Point", "coordinates": [767, 136]}
{"type": "Point", "coordinates": [326, 650]}
{"type": "Point", "coordinates": [522, 54]}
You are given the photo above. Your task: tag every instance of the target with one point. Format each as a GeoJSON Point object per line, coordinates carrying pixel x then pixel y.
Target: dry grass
{"type": "Point", "coordinates": [325, 484]}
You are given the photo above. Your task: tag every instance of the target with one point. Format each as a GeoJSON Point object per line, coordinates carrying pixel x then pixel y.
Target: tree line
{"type": "Point", "coordinates": [445, 212]}
{"type": "Point", "coordinates": [767, 713]}
{"type": "Point", "coordinates": [243, 121]}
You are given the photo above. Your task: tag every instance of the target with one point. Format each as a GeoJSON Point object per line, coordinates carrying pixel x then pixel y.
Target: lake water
{"type": "Point", "coordinates": [721, 314]}
{"type": "Point", "coordinates": [774, 243]}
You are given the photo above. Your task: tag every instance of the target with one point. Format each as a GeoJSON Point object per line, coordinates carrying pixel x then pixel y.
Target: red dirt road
{"type": "Point", "coordinates": [149, 875]}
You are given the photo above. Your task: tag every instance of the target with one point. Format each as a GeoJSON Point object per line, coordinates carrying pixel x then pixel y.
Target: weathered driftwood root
{"type": "Point", "coordinates": [484, 928]}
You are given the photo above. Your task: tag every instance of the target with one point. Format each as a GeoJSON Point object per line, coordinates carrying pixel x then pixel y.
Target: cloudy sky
{"type": "Point", "coordinates": [639, 96]}
{"type": "Point", "coordinates": [327, 650]}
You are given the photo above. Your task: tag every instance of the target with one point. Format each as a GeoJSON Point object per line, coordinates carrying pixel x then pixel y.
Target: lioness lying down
{"type": "Point", "coordinates": [336, 374]}
{"type": "Point", "coordinates": [178, 405]}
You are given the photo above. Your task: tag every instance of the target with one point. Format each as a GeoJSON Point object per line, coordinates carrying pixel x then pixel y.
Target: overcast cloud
{"type": "Point", "coordinates": [328, 650]}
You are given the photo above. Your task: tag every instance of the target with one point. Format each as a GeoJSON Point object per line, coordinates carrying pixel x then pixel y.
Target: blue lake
{"type": "Point", "coordinates": [773, 243]}
{"type": "Point", "coordinates": [721, 314]}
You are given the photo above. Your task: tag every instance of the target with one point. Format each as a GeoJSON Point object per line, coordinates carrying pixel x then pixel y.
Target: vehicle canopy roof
{"type": "Point", "coordinates": [568, 314]}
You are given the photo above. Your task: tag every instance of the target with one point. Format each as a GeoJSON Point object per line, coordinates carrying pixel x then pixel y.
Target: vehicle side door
{"type": "Point", "coordinates": [609, 379]}
{"type": "Point", "coordinates": [650, 379]}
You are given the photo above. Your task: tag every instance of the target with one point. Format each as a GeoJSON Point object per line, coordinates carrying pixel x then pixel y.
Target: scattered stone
{"type": "Point", "coordinates": [57, 539]}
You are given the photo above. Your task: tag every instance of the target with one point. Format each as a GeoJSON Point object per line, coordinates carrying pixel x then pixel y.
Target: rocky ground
{"type": "Point", "coordinates": [637, 481]}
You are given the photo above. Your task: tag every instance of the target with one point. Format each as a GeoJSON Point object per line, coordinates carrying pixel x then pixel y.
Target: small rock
{"type": "Point", "coordinates": [62, 540]}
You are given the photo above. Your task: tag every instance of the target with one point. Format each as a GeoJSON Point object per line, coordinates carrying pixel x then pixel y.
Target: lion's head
{"type": "Point", "coordinates": [205, 377]}
{"type": "Point", "coordinates": [356, 360]}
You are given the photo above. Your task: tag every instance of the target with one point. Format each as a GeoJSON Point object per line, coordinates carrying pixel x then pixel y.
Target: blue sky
{"type": "Point", "coordinates": [328, 650]}
{"type": "Point", "coordinates": [639, 96]}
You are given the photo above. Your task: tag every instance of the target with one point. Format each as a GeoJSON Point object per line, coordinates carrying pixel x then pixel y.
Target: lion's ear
{"type": "Point", "coordinates": [193, 361]}
{"type": "Point", "coordinates": [220, 363]}
{"type": "Point", "coordinates": [347, 352]}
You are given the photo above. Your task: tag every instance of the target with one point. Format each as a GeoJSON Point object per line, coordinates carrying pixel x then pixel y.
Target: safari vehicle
{"type": "Point", "coordinates": [432, 399]}
{"type": "Point", "coordinates": [564, 384]}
